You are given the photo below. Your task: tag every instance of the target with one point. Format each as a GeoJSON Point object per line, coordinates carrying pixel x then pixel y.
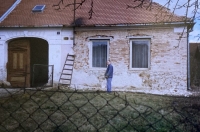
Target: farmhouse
{"type": "Point", "coordinates": [146, 43]}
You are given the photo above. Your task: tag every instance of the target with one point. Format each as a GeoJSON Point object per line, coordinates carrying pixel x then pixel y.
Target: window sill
{"type": "Point", "coordinates": [139, 69]}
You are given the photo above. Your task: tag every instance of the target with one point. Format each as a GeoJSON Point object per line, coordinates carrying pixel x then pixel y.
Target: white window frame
{"type": "Point", "coordinates": [91, 51]}
{"type": "Point", "coordinates": [149, 57]}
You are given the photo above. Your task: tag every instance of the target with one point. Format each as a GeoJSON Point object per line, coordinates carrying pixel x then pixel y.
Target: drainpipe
{"type": "Point", "coordinates": [74, 24]}
{"type": "Point", "coordinates": [188, 61]}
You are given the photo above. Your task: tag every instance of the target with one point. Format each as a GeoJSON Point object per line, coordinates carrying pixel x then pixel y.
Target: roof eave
{"type": "Point", "coordinates": [135, 26]}
{"type": "Point", "coordinates": [109, 25]}
{"type": "Point", "coordinates": [148, 24]}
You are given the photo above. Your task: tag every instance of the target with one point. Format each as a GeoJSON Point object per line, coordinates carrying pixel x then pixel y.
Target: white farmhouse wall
{"type": "Point", "coordinates": [168, 61]}
{"type": "Point", "coordinates": [60, 42]}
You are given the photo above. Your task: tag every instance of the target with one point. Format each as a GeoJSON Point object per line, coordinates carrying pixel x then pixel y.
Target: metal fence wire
{"type": "Point", "coordinates": [67, 110]}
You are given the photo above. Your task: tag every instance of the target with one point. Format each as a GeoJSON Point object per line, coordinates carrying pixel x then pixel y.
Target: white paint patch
{"type": "Point", "coordinates": [103, 84]}
{"type": "Point", "coordinates": [127, 80]}
{"type": "Point", "coordinates": [82, 78]}
{"type": "Point", "coordinates": [180, 29]}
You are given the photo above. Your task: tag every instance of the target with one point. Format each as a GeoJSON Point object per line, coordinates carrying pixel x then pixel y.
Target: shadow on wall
{"type": "Point", "coordinates": [78, 22]}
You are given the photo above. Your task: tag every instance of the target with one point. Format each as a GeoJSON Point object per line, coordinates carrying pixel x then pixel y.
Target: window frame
{"type": "Point", "coordinates": [149, 57]}
{"type": "Point", "coordinates": [91, 51]}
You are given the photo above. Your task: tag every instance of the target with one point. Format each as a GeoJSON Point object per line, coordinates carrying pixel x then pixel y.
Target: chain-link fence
{"type": "Point", "coordinates": [67, 110]}
{"type": "Point", "coordinates": [64, 109]}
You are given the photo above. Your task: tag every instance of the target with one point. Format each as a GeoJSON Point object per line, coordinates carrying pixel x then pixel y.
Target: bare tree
{"type": "Point", "coordinates": [190, 9]}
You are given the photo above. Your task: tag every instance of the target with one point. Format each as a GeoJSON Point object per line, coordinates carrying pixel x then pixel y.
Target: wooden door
{"type": "Point", "coordinates": [18, 67]}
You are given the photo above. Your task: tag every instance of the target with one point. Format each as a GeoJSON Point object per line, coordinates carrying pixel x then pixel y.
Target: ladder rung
{"type": "Point", "coordinates": [66, 74]}
{"type": "Point", "coordinates": [69, 64]}
{"type": "Point", "coordinates": [71, 55]}
{"type": "Point", "coordinates": [64, 84]}
{"type": "Point", "coordinates": [68, 69]}
{"type": "Point", "coordinates": [70, 59]}
{"type": "Point", "coordinates": [64, 79]}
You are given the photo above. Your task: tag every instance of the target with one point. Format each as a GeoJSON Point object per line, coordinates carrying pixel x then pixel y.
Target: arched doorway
{"type": "Point", "coordinates": [23, 55]}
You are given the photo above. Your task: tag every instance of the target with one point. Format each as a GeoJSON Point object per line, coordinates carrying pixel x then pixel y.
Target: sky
{"type": "Point", "coordinates": [193, 36]}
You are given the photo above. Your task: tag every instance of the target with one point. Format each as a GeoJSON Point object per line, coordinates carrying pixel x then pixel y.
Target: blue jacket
{"type": "Point", "coordinates": [109, 71]}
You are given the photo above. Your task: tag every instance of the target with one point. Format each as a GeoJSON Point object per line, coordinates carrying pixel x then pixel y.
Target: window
{"type": "Point", "coordinates": [38, 8]}
{"type": "Point", "coordinates": [99, 53]}
{"type": "Point", "coordinates": [139, 53]}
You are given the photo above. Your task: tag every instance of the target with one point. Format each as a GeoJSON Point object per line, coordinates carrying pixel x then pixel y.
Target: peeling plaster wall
{"type": "Point", "coordinates": [3, 59]}
{"type": "Point", "coordinates": [168, 61]}
{"type": "Point", "coordinates": [60, 43]}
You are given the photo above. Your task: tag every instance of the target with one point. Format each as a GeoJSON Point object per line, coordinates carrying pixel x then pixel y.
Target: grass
{"type": "Point", "coordinates": [91, 111]}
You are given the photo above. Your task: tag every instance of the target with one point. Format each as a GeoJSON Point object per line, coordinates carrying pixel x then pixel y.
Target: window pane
{"type": "Point", "coordinates": [139, 54]}
{"type": "Point", "coordinates": [99, 53]}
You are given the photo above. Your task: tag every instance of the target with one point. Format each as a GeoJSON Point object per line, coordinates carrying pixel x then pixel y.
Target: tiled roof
{"type": "Point", "coordinates": [106, 12]}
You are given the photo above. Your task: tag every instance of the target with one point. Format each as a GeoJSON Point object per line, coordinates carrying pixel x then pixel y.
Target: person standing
{"type": "Point", "coordinates": [109, 75]}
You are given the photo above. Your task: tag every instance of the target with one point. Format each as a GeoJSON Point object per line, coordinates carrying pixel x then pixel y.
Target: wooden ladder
{"type": "Point", "coordinates": [67, 71]}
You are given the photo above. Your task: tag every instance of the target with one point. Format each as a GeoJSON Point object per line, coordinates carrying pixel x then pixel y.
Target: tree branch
{"type": "Point", "coordinates": [58, 5]}
{"type": "Point", "coordinates": [91, 10]}
{"type": "Point", "coordinates": [79, 4]}
{"type": "Point", "coordinates": [141, 4]}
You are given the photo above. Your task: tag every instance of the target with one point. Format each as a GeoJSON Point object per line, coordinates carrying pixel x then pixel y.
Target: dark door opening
{"type": "Point", "coordinates": [38, 61]}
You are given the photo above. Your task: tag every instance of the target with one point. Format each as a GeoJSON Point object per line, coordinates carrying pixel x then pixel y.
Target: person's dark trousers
{"type": "Point", "coordinates": [109, 80]}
